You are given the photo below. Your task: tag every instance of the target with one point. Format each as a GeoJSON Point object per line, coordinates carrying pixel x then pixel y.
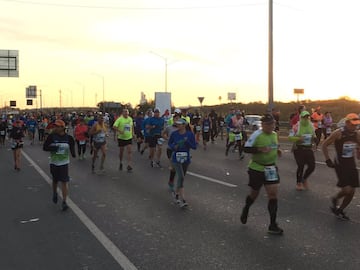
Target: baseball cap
{"type": "Point", "coordinates": [59, 123]}
{"type": "Point", "coordinates": [177, 111]}
{"type": "Point", "coordinates": [353, 118]}
{"type": "Point", "coordinates": [180, 121]}
{"type": "Point", "coordinates": [304, 113]}
{"type": "Point", "coordinates": [157, 110]}
{"type": "Point", "coordinates": [267, 119]}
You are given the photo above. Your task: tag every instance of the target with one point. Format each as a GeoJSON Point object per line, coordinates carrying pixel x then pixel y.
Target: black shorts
{"type": "Point", "coordinates": [206, 136]}
{"type": "Point", "coordinates": [154, 141]}
{"type": "Point", "coordinates": [122, 143]}
{"type": "Point", "coordinates": [98, 145]}
{"type": "Point", "coordinates": [257, 179]}
{"type": "Point", "coordinates": [17, 145]}
{"type": "Point", "coordinates": [147, 139]}
{"type": "Point", "coordinates": [347, 176]}
{"type": "Point", "coordinates": [60, 173]}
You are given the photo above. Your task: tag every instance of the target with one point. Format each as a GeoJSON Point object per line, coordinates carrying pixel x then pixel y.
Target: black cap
{"type": "Point", "coordinates": [267, 118]}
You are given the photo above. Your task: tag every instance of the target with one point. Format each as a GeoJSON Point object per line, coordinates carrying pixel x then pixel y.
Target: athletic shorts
{"type": "Point", "coordinates": [122, 143]}
{"type": "Point", "coordinates": [98, 145]}
{"type": "Point", "coordinates": [153, 141]}
{"type": "Point", "coordinates": [257, 179]}
{"type": "Point", "coordinates": [347, 176]}
{"type": "Point", "coordinates": [206, 136]}
{"type": "Point", "coordinates": [60, 173]}
{"type": "Point", "coordinates": [147, 139]}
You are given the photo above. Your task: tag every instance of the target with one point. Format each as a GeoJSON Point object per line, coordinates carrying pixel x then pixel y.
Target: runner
{"type": "Point", "coordinates": [81, 137]}
{"type": "Point", "coordinates": [98, 132]}
{"type": "Point", "coordinates": [124, 125]}
{"type": "Point", "coordinates": [60, 146]}
{"type": "Point", "coordinates": [180, 143]}
{"type": "Point", "coordinates": [16, 135]}
{"type": "Point", "coordinates": [347, 144]}
{"type": "Point", "coordinates": [196, 123]}
{"type": "Point", "coordinates": [206, 127]}
{"type": "Point", "coordinates": [264, 147]}
{"type": "Point", "coordinates": [2, 131]}
{"type": "Point", "coordinates": [235, 133]}
{"type": "Point", "coordinates": [166, 135]}
{"type": "Point", "coordinates": [155, 126]}
{"type": "Point", "coordinates": [303, 137]}
{"type": "Point", "coordinates": [317, 119]}
{"type": "Point", "coordinates": [328, 122]}
{"type": "Point", "coordinates": [31, 125]}
{"type": "Point", "coordinates": [145, 130]}
{"type": "Point", "coordinates": [138, 131]}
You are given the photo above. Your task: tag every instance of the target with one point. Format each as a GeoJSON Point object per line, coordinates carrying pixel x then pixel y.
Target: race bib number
{"type": "Point", "coordinates": [319, 124]}
{"type": "Point", "coordinates": [271, 173]}
{"type": "Point", "coordinates": [348, 150]}
{"type": "Point", "coordinates": [62, 148]}
{"type": "Point", "coordinates": [82, 142]}
{"type": "Point", "coordinates": [181, 157]}
{"type": "Point", "coordinates": [328, 130]}
{"type": "Point", "coordinates": [198, 128]}
{"type": "Point", "coordinates": [2, 132]}
{"type": "Point", "coordinates": [206, 128]}
{"type": "Point", "coordinates": [238, 137]}
{"type": "Point", "coordinates": [307, 139]}
{"type": "Point", "coordinates": [127, 127]}
{"type": "Point", "coordinates": [100, 137]}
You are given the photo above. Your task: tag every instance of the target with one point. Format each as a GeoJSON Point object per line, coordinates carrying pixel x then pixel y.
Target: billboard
{"type": "Point", "coordinates": [9, 63]}
{"type": "Point", "coordinates": [31, 91]}
{"type": "Point", "coordinates": [231, 96]}
{"type": "Point", "coordinates": [163, 101]}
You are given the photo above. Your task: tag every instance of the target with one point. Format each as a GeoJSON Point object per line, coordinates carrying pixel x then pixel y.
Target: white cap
{"type": "Point", "coordinates": [177, 111]}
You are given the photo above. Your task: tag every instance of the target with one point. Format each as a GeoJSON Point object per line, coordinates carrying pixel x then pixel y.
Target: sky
{"type": "Point", "coordinates": [69, 48]}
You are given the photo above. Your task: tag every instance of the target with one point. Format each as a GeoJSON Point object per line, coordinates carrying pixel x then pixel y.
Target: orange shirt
{"type": "Point", "coordinates": [317, 119]}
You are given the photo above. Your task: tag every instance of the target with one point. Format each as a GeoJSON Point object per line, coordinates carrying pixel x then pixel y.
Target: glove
{"type": "Point", "coordinates": [329, 163]}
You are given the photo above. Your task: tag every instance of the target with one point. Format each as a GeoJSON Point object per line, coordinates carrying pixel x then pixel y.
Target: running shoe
{"type": "Point", "coordinates": [183, 204]}
{"type": "Point", "coordinates": [176, 198]}
{"type": "Point", "coordinates": [152, 164]}
{"type": "Point", "coordinates": [92, 168]}
{"type": "Point", "coordinates": [244, 215]}
{"type": "Point", "coordinates": [120, 167]}
{"type": "Point", "coordinates": [55, 198]}
{"type": "Point", "coordinates": [129, 169]}
{"type": "Point", "coordinates": [341, 214]}
{"type": "Point", "coordinates": [64, 206]}
{"type": "Point", "coordinates": [142, 152]}
{"type": "Point", "coordinates": [299, 186]}
{"type": "Point", "coordinates": [158, 165]}
{"type": "Point", "coordinates": [227, 152]}
{"type": "Point", "coordinates": [242, 156]}
{"type": "Point", "coordinates": [275, 229]}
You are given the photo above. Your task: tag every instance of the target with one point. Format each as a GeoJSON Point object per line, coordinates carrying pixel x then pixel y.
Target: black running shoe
{"type": "Point", "coordinates": [64, 206]}
{"type": "Point", "coordinates": [244, 215]}
{"type": "Point", "coordinates": [55, 198]}
{"type": "Point", "coordinates": [142, 152]}
{"type": "Point", "coordinates": [129, 169]}
{"type": "Point", "coordinates": [120, 167]}
{"type": "Point", "coordinates": [275, 229]}
{"type": "Point", "coordinates": [341, 215]}
{"type": "Point", "coordinates": [333, 206]}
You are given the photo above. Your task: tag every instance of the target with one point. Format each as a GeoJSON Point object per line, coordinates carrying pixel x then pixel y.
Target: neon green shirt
{"type": "Point", "coordinates": [262, 139]}
{"type": "Point", "coordinates": [126, 126]}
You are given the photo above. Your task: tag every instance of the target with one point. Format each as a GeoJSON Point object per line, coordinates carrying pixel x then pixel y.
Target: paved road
{"type": "Point", "coordinates": [128, 221]}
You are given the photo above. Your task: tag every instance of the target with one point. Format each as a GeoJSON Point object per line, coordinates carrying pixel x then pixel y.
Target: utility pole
{"type": "Point", "coordinates": [270, 67]}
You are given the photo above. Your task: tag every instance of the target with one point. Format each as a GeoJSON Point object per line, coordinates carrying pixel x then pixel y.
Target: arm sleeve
{"type": "Point", "coordinates": [191, 141]}
{"type": "Point", "coordinates": [47, 144]}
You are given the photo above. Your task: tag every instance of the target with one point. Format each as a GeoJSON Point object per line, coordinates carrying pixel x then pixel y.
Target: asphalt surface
{"type": "Point", "coordinates": [120, 220]}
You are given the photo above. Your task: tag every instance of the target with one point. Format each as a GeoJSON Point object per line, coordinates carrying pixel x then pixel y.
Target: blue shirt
{"type": "Point", "coordinates": [181, 145]}
{"type": "Point", "coordinates": [158, 124]}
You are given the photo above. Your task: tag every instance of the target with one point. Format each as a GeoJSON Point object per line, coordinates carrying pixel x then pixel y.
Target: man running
{"type": "Point", "coordinates": [263, 145]}
{"type": "Point", "coordinates": [124, 125]}
{"type": "Point", "coordinates": [347, 144]}
{"type": "Point", "coordinates": [60, 145]}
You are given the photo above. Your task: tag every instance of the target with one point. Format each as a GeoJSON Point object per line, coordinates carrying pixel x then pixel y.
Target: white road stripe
{"type": "Point", "coordinates": [122, 260]}
{"type": "Point", "coordinates": [211, 179]}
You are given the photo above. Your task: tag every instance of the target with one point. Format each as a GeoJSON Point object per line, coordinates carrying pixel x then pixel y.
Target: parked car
{"type": "Point", "coordinates": [253, 121]}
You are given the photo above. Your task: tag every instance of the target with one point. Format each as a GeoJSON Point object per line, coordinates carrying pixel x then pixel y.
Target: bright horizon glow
{"type": "Point", "coordinates": [213, 47]}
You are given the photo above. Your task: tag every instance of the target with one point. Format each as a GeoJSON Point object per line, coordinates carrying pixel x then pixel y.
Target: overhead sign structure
{"type": "Point", "coordinates": [231, 96]}
{"type": "Point", "coordinates": [31, 91]}
{"type": "Point", "coordinates": [9, 63]}
{"type": "Point", "coordinates": [298, 91]}
{"type": "Point", "coordinates": [29, 102]}
{"type": "Point", "coordinates": [12, 103]}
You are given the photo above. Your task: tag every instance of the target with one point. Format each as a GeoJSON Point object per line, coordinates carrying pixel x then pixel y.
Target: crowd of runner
{"type": "Point", "coordinates": [87, 133]}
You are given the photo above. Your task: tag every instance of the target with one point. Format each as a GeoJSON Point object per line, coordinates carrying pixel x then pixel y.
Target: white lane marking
{"type": "Point", "coordinates": [211, 179]}
{"type": "Point", "coordinates": [122, 260]}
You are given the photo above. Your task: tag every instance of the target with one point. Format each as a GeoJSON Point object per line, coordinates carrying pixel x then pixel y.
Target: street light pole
{"type": "Point", "coordinates": [103, 85]}
{"type": "Point", "coordinates": [166, 67]}
{"type": "Point", "coordinates": [270, 67]}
